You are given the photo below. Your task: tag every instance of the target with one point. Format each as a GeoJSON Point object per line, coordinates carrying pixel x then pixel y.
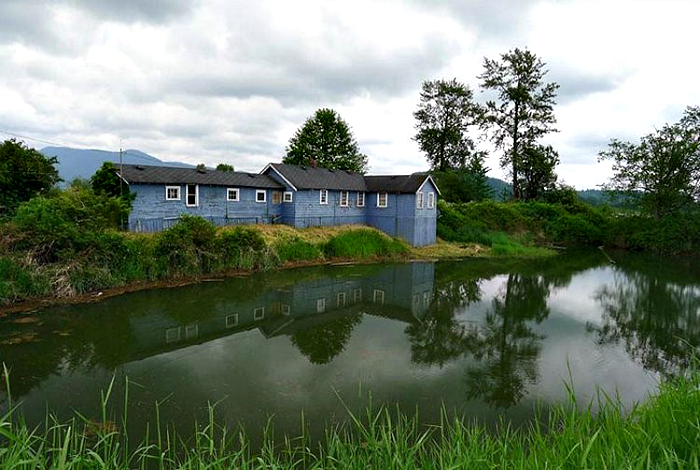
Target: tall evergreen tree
{"type": "Point", "coordinates": [326, 140]}
{"type": "Point", "coordinates": [444, 115]}
{"type": "Point", "coordinates": [524, 111]}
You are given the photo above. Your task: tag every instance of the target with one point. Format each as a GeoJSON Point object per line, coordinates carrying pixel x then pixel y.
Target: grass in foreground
{"type": "Point", "coordinates": [662, 433]}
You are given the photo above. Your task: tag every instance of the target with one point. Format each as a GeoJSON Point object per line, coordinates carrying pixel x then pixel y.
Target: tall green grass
{"type": "Point", "coordinates": [362, 244]}
{"type": "Point", "coordinates": [664, 432]}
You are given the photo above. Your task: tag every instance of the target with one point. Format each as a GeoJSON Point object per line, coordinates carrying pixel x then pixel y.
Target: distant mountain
{"type": "Point", "coordinates": [83, 163]}
{"type": "Point", "coordinates": [500, 190]}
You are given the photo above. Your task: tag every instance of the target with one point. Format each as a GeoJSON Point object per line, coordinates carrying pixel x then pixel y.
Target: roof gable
{"type": "Point", "coordinates": [308, 177]}
{"type": "Point", "coordinates": [142, 174]}
{"type": "Point", "coordinates": [397, 183]}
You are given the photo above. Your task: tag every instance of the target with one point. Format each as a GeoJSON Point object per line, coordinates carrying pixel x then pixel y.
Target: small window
{"type": "Point", "coordinates": [192, 195]}
{"type": "Point", "coordinates": [286, 310]}
{"type": "Point", "coordinates": [232, 194]}
{"type": "Point", "coordinates": [172, 193]}
{"type": "Point", "coordinates": [357, 295]}
{"type": "Point", "coordinates": [288, 196]}
{"type": "Point", "coordinates": [341, 299]}
{"type": "Point", "coordinates": [360, 199]}
{"type": "Point", "coordinates": [419, 199]}
{"type": "Point", "coordinates": [321, 305]}
{"type": "Point", "coordinates": [323, 196]}
{"type": "Point", "coordinates": [172, 335]}
{"type": "Point", "coordinates": [379, 296]}
{"type": "Point", "coordinates": [276, 197]}
{"type": "Point", "coordinates": [259, 313]}
{"type": "Point", "coordinates": [232, 320]}
{"type": "Point", "coordinates": [344, 198]}
{"type": "Point", "coordinates": [260, 195]}
{"type": "Point", "coordinates": [191, 331]}
{"type": "Point", "coordinates": [431, 200]}
{"type": "Point", "coordinates": [382, 199]}
{"type": "Point", "coordinates": [426, 298]}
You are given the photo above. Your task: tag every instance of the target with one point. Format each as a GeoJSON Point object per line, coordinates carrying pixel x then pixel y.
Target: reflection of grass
{"type": "Point", "coordinates": [662, 433]}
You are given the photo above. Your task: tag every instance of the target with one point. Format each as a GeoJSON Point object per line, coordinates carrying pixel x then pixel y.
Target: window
{"type": "Point", "coordinates": [357, 295]}
{"type": "Point", "coordinates": [288, 196]}
{"type": "Point", "coordinates": [260, 195]}
{"type": "Point", "coordinates": [344, 198]}
{"type": "Point", "coordinates": [192, 195]}
{"type": "Point", "coordinates": [419, 199]}
{"type": "Point", "coordinates": [172, 193]}
{"type": "Point", "coordinates": [426, 298]}
{"type": "Point", "coordinates": [276, 197]}
{"type": "Point", "coordinates": [382, 199]}
{"type": "Point", "coordinates": [172, 335]}
{"type": "Point", "coordinates": [431, 200]}
{"type": "Point", "coordinates": [259, 313]}
{"type": "Point", "coordinates": [360, 199]}
{"type": "Point", "coordinates": [379, 296]}
{"type": "Point", "coordinates": [232, 320]}
{"type": "Point", "coordinates": [286, 310]}
{"type": "Point", "coordinates": [321, 305]}
{"type": "Point", "coordinates": [341, 299]}
{"type": "Point", "coordinates": [191, 331]}
{"type": "Point", "coordinates": [232, 194]}
{"type": "Point", "coordinates": [323, 196]}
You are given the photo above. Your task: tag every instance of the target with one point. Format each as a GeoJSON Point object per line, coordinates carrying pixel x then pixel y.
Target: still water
{"type": "Point", "coordinates": [486, 339]}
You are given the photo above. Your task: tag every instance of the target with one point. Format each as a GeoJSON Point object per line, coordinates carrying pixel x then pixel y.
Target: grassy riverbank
{"type": "Point", "coordinates": [67, 260]}
{"type": "Point", "coordinates": [664, 432]}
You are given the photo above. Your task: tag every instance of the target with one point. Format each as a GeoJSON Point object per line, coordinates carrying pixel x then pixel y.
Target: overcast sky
{"type": "Point", "coordinates": [220, 80]}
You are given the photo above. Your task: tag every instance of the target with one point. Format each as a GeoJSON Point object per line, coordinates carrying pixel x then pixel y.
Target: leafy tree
{"type": "Point", "coordinates": [444, 115]}
{"type": "Point", "coordinates": [524, 110]}
{"type": "Point", "coordinates": [24, 173]}
{"type": "Point", "coordinates": [320, 344]}
{"type": "Point", "coordinates": [106, 181]}
{"type": "Point", "coordinates": [200, 167]}
{"type": "Point", "coordinates": [326, 140]}
{"type": "Point", "coordinates": [662, 172]}
{"type": "Point", "coordinates": [537, 174]}
{"type": "Point", "coordinates": [224, 167]}
{"type": "Point", "coordinates": [465, 184]}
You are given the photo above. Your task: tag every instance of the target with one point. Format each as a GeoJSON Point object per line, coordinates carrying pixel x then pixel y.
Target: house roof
{"type": "Point", "coordinates": [308, 177]}
{"type": "Point", "coordinates": [171, 175]}
{"type": "Point", "coordinates": [396, 183]}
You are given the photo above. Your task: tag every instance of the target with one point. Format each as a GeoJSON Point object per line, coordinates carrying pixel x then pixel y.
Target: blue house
{"type": "Point", "coordinates": [300, 196]}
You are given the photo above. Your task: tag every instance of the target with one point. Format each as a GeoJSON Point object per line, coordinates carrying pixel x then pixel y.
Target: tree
{"type": "Point", "coordinates": [106, 181]}
{"type": "Point", "coordinates": [224, 167]}
{"type": "Point", "coordinates": [326, 140]}
{"type": "Point", "coordinates": [524, 111]}
{"type": "Point", "coordinates": [662, 172]}
{"type": "Point", "coordinates": [465, 184]}
{"type": "Point", "coordinates": [537, 174]}
{"type": "Point", "coordinates": [24, 174]}
{"type": "Point", "coordinates": [444, 115]}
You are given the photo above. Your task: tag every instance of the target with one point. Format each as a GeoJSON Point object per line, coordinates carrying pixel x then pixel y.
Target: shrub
{"type": "Point", "coordinates": [187, 246]}
{"type": "Point", "coordinates": [240, 247]}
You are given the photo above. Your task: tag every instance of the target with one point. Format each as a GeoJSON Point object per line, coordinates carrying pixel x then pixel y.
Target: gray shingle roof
{"type": "Point", "coordinates": [171, 175]}
{"type": "Point", "coordinates": [307, 177]}
{"type": "Point", "coordinates": [395, 183]}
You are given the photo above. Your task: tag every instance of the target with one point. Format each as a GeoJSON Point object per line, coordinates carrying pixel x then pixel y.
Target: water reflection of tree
{"type": "Point", "coordinates": [658, 320]}
{"type": "Point", "coordinates": [440, 338]}
{"type": "Point", "coordinates": [320, 344]}
{"type": "Point", "coordinates": [507, 348]}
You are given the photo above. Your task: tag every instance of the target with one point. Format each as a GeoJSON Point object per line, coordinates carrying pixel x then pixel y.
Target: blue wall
{"type": "Point", "coordinates": [425, 219]}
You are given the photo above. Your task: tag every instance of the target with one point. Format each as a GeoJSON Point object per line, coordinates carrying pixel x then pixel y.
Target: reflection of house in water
{"type": "Point", "coordinates": [401, 292]}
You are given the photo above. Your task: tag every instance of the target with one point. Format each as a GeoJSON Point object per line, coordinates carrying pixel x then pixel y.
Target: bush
{"type": "Point", "coordinates": [296, 249]}
{"type": "Point", "coordinates": [363, 243]}
{"type": "Point", "coordinates": [241, 247]}
{"type": "Point", "coordinates": [187, 247]}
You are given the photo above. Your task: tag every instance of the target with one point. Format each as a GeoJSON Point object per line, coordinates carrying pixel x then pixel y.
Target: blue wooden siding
{"type": "Point", "coordinates": [401, 218]}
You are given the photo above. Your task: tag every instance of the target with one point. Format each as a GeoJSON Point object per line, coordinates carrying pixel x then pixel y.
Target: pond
{"type": "Point", "coordinates": [487, 339]}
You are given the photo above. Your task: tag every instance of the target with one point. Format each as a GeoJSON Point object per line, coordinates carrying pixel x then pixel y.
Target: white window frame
{"type": "Point", "coordinates": [196, 195]}
{"type": "Point", "coordinates": [386, 200]}
{"type": "Point", "coordinates": [361, 196]}
{"type": "Point", "coordinates": [237, 193]}
{"type": "Point", "coordinates": [288, 196]}
{"type": "Point", "coordinates": [263, 192]}
{"type": "Point", "coordinates": [321, 305]}
{"type": "Point", "coordinates": [169, 337]}
{"type": "Point", "coordinates": [347, 198]}
{"type": "Point", "coordinates": [378, 296]}
{"type": "Point", "coordinates": [419, 200]}
{"type": "Point", "coordinates": [258, 313]}
{"type": "Point", "coordinates": [357, 295]}
{"type": "Point", "coordinates": [179, 195]}
{"type": "Point", "coordinates": [341, 299]}
{"type": "Point", "coordinates": [286, 310]}
{"type": "Point", "coordinates": [323, 197]}
{"type": "Point", "coordinates": [232, 320]}
{"type": "Point", "coordinates": [192, 331]}
{"type": "Point", "coordinates": [431, 200]}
